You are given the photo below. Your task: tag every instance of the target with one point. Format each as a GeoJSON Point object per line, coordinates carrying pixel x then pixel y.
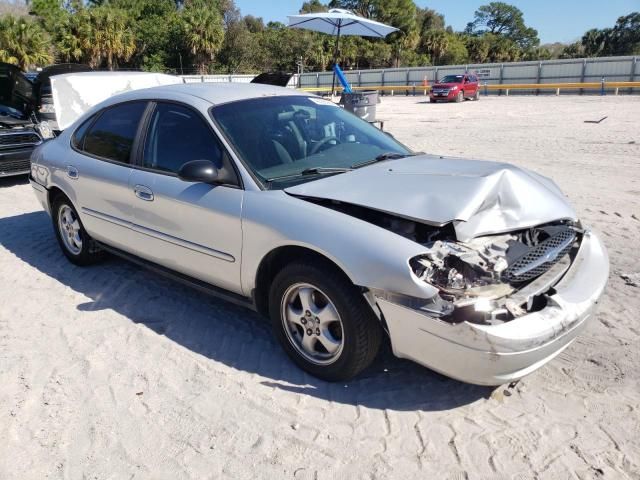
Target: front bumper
{"type": "Point", "coordinates": [498, 354]}
{"type": "Point", "coordinates": [15, 161]}
{"type": "Point", "coordinates": [443, 95]}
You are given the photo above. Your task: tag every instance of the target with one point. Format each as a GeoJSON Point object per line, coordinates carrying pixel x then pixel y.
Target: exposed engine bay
{"type": "Point", "coordinates": [482, 278]}
{"type": "Point", "coordinates": [489, 279]}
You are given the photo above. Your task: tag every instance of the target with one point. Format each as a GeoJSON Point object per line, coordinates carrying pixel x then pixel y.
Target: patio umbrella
{"type": "Point", "coordinates": [339, 22]}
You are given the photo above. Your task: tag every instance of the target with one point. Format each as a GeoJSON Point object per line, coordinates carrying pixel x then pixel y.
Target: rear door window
{"type": "Point", "coordinates": [112, 135]}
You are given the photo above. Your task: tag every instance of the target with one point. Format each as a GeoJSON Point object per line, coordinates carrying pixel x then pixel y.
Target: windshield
{"type": "Point", "coordinates": [452, 79]}
{"type": "Point", "coordinates": [291, 139]}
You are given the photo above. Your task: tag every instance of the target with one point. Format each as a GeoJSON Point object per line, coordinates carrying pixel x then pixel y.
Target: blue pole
{"type": "Point", "coordinates": [602, 87]}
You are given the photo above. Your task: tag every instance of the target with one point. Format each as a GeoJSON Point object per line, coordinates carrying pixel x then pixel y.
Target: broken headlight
{"type": "Point", "coordinates": [459, 269]}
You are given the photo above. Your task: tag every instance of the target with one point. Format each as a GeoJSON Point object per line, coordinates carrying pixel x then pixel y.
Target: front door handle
{"type": "Point", "coordinates": [143, 193]}
{"type": "Point", "coordinates": [72, 172]}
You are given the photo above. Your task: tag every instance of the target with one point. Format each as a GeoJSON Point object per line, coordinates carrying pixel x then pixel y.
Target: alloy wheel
{"type": "Point", "coordinates": [69, 228]}
{"type": "Point", "coordinates": [312, 323]}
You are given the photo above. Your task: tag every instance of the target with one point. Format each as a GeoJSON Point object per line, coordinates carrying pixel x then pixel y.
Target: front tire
{"type": "Point", "coordinates": [476, 97]}
{"type": "Point", "coordinates": [322, 321]}
{"type": "Point", "coordinates": [75, 242]}
{"type": "Point", "coordinates": [460, 97]}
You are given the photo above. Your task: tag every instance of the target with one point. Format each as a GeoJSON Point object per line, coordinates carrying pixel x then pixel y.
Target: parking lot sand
{"type": "Point", "coordinates": [111, 372]}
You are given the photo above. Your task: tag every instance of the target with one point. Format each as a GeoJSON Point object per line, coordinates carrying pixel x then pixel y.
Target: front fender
{"type": "Point", "coordinates": [370, 256]}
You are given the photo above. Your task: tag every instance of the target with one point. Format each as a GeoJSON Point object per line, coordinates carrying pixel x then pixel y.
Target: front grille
{"type": "Point", "coordinates": [12, 166]}
{"type": "Point", "coordinates": [19, 139]}
{"type": "Point", "coordinates": [541, 257]}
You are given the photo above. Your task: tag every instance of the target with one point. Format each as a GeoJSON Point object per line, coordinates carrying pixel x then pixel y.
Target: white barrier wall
{"type": "Point", "coordinates": [612, 69]}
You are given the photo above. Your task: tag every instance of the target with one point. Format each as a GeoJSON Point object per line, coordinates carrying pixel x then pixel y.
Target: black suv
{"type": "Point", "coordinates": [27, 116]}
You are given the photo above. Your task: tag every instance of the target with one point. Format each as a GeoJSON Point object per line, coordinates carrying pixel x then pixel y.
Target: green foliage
{"type": "Point", "coordinates": [622, 39]}
{"type": "Point", "coordinates": [313, 6]}
{"type": "Point", "coordinates": [202, 32]}
{"type": "Point", "coordinates": [478, 48]}
{"type": "Point", "coordinates": [202, 36]}
{"type": "Point", "coordinates": [573, 50]}
{"type": "Point", "coordinates": [427, 19]}
{"type": "Point", "coordinates": [23, 42]}
{"type": "Point", "coordinates": [254, 24]}
{"type": "Point", "coordinates": [398, 13]}
{"type": "Point", "coordinates": [499, 18]}
{"type": "Point", "coordinates": [456, 52]}
{"type": "Point", "coordinates": [593, 42]}
{"type": "Point", "coordinates": [111, 36]}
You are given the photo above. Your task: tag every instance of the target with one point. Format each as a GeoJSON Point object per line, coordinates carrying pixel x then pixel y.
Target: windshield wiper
{"type": "Point", "coordinates": [385, 156]}
{"type": "Point", "coordinates": [322, 170]}
{"type": "Point", "coordinates": [309, 171]}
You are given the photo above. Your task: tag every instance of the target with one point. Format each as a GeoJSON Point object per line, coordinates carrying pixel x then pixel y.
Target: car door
{"type": "Point", "coordinates": [473, 85]}
{"type": "Point", "coordinates": [192, 228]}
{"type": "Point", "coordinates": [99, 169]}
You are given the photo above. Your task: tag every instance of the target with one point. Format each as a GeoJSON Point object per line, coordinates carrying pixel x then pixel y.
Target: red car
{"type": "Point", "coordinates": [455, 88]}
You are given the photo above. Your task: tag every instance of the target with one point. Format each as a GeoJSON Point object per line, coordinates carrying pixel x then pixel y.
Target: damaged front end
{"type": "Point", "coordinates": [505, 305]}
{"type": "Point", "coordinates": [494, 279]}
{"type": "Point", "coordinates": [500, 275]}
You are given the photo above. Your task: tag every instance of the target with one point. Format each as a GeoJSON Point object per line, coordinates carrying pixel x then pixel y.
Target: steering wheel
{"type": "Point", "coordinates": [323, 142]}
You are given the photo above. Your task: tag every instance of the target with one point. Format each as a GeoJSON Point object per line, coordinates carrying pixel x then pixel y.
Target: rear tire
{"type": "Point", "coordinates": [75, 242]}
{"type": "Point", "coordinates": [476, 97]}
{"type": "Point", "coordinates": [311, 305]}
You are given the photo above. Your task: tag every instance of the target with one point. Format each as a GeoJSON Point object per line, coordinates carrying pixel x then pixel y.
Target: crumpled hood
{"type": "Point", "coordinates": [481, 198]}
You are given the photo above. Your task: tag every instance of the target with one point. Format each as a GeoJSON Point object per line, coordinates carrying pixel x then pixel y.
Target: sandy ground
{"type": "Point", "coordinates": [111, 372]}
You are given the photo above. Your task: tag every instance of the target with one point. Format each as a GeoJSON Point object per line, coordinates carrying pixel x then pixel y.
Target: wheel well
{"type": "Point", "coordinates": [275, 261]}
{"type": "Point", "coordinates": [54, 192]}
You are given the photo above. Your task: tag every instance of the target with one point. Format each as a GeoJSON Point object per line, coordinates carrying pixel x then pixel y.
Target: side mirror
{"type": "Point", "coordinates": [203, 171]}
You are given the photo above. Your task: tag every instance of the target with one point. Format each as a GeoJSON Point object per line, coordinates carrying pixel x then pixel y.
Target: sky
{"type": "Point", "coordinates": [556, 20]}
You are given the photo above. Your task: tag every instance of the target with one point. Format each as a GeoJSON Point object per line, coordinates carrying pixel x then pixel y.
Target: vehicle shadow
{"type": "Point", "coordinates": [6, 182]}
{"type": "Point", "coordinates": [224, 332]}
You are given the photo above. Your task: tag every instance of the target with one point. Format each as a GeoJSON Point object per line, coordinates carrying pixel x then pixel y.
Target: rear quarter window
{"type": "Point", "coordinates": [112, 135]}
{"type": "Point", "coordinates": [77, 140]}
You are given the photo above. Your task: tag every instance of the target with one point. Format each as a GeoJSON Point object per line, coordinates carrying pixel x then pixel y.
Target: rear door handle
{"type": "Point", "coordinates": [143, 193]}
{"type": "Point", "coordinates": [72, 172]}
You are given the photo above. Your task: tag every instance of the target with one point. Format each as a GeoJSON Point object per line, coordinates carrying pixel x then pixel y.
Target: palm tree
{"type": "Point", "coordinates": [113, 39]}
{"type": "Point", "coordinates": [435, 43]}
{"type": "Point", "coordinates": [203, 34]}
{"type": "Point", "coordinates": [23, 42]}
{"type": "Point", "coordinates": [594, 41]}
{"type": "Point", "coordinates": [74, 35]}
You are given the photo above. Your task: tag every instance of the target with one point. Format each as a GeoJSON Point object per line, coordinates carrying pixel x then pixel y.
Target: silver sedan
{"type": "Point", "coordinates": [286, 203]}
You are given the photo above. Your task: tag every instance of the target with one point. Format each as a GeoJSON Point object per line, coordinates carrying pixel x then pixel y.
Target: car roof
{"type": "Point", "coordinates": [218, 93]}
